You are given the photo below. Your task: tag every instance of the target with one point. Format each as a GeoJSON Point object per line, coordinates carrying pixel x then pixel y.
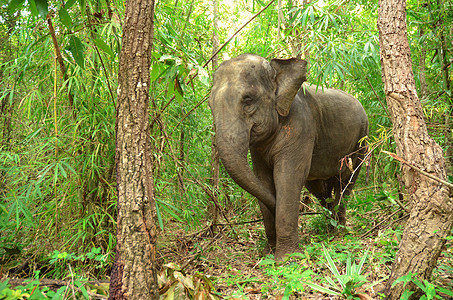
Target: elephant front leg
{"type": "Point", "coordinates": [264, 174]}
{"type": "Point", "coordinates": [269, 227]}
{"type": "Point", "coordinates": [288, 184]}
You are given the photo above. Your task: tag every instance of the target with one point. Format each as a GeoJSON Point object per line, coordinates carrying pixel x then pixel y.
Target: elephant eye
{"type": "Point", "coordinates": [249, 104]}
{"type": "Point", "coordinates": [247, 100]}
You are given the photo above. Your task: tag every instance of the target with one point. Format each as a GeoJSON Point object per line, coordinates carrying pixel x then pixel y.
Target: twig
{"type": "Point", "coordinates": [380, 223]}
{"type": "Point", "coordinates": [365, 188]}
{"type": "Point", "coordinates": [397, 220]}
{"type": "Point", "coordinates": [240, 223]}
{"type": "Point", "coordinates": [401, 205]}
{"type": "Point", "coordinates": [193, 108]}
{"type": "Point", "coordinates": [401, 160]}
{"type": "Point", "coordinates": [377, 96]}
{"type": "Point", "coordinates": [54, 284]}
{"type": "Point", "coordinates": [358, 167]}
{"type": "Point", "coordinates": [237, 31]}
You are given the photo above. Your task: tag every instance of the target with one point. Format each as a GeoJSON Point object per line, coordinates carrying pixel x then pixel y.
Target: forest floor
{"type": "Point", "coordinates": [233, 263]}
{"type": "Point", "coordinates": [230, 264]}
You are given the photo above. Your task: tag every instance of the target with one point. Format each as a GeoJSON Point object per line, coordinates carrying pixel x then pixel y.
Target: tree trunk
{"type": "Point", "coordinates": [134, 273]}
{"type": "Point", "coordinates": [215, 161]}
{"type": "Point", "coordinates": [422, 63]}
{"type": "Point", "coordinates": [431, 206]}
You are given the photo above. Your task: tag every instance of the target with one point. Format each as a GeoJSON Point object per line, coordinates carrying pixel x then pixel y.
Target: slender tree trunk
{"type": "Point", "coordinates": [431, 206]}
{"type": "Point", "coordinates": [60, 59]}
{"type": "Point", "coordinates": [422, 63]}
{"type": "Point", "coordinates": [215, 161]}
{"type": "Point", "coordinates": [134, 274]}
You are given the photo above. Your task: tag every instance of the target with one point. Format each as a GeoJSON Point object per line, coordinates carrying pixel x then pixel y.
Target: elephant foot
{"type": "Point", "coordinates": [280, 253]}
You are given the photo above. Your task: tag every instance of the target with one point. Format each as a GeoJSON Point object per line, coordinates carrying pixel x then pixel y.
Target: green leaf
{"type": "Point", "coordinates": [13, 5]}
{"type": "Point", "coordinates": [68, 166]}
{"type": "Point", "coordinates": [406, 294]}
{"type": "Point", "coordinates": [445, 291]}
{"type": "Point", "coordinates": [103, 46]}
{"type": "Point", "coordinates": [159, 216]}
{"type": "Point", "coordinates": [267, 261]}
{"type": "Point", "coordinates": [321, 288]}
{"type": "Point", "coordinates": [405, 279]}
{"type": "Point", "coordinates": [82, 4]}
{"type": "Point", "coordinates": [82, 289]}
{"type": "Point", "coordinates": [69, 3]}
{"type": "Point", "coordinates": [362, 262]}
{"type": "Point", "coordinates": [64, 17]}
{"type": "Point", "coordinates": [42, 7]}
{"type": "Point", "coordinates": [157, 71]}
{"type": "Point", "coordinates": [332, 267]}
{"type": "Point", "coordinates": [76, 48]}
{"type": "Point", "coordinates": [62, 171]}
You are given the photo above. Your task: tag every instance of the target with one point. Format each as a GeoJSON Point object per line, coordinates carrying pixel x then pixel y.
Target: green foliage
{"type": "Point", "coordinates": [289, 275]}
{"type": "Point", "coordinates": [347, 283]}
{"type": "Point", "coordinates": [57, 159]}
{"type": "Point", "coordinates": [430, 291]}
{"type": "Point", "coordinates": [33, 289]}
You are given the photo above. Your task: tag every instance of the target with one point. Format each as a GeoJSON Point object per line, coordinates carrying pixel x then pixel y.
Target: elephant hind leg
{"type": "Point", "coordinates": [322, 189]}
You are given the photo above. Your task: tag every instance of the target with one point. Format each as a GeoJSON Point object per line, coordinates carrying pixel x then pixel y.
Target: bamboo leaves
{"type": "Point", "coordinates": [77, 49]}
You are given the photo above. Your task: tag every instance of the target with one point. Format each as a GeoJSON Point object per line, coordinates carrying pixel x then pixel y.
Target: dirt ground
{"type": "Point", "coordinates": [231, 260]}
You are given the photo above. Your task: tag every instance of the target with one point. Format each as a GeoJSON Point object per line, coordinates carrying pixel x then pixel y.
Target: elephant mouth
{"type": "Point", "coordinates": [253, 136]}
{"type": "Point", "coordinates": [258, 134]}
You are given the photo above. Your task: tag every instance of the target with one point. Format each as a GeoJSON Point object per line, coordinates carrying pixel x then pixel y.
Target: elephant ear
{"type": "Point", "coordinates": [291, 73]}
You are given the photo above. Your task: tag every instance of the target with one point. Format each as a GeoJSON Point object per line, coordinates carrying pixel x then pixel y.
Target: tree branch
{"type": "Point", "coordinates": [237, 31]}
{"type": "Point", "coordinates": [401, 160]}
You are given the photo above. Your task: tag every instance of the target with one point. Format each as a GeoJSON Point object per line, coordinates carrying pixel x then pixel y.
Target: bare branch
{"type": "Point", "coordinates": [401, 160]}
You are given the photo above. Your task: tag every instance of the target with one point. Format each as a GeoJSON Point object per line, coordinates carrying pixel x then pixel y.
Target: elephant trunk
{"type": "Point", "coordinates": [233, 147]}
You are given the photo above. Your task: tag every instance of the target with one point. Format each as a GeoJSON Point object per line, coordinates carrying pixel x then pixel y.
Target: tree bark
{"type": "Point", "coordinates": [215, 160]}
{"type": "Point", "coordinates": [431, 204]}
{"type": "Point", "coordinates": [134, 274]}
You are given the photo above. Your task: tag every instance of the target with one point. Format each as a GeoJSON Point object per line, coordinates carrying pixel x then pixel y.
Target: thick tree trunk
{"type": "Point", "coordinates": [134, 274]}
{"type": "Point", "coordinates": [431, 205]}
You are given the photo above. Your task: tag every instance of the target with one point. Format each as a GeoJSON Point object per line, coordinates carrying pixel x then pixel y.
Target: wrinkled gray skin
{"type": "Point", "coordinates": [297, 137]}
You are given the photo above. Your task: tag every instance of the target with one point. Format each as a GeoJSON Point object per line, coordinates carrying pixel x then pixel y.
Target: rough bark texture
{"type": "Point", "coordinates": [431, 204]}
{"type": "Point", "coordinates": [134, 274]}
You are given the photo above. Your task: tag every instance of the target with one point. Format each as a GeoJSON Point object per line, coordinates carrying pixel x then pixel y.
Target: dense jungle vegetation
{"type": "Point", "coordinates": [58, 89]}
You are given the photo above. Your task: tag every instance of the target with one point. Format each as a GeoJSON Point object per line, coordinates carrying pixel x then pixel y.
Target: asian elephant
{"type": "Point", "coordinates": [298, 136]}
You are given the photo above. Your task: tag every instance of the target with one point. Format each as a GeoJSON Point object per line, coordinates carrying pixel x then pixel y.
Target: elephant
{"type": "Point", "coordinates": [297, 134]}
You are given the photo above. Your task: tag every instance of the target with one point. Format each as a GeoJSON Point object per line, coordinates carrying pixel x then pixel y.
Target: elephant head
{"type": "Point", "coordinates": [248, 97]}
